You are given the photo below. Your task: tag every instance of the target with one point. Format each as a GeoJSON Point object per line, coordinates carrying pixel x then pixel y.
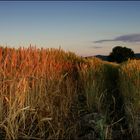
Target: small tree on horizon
{"type": "Point", "coordinates": [120, 54]}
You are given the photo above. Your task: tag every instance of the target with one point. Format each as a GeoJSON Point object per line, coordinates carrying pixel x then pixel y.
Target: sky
{"type": "Point", "coordinates": [84, 27]}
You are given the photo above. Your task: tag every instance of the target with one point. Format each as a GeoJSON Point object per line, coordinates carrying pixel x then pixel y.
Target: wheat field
{"type": "Point", "coordinates": [43, 93]}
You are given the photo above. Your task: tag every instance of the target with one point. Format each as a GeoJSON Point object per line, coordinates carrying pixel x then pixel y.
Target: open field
{"type": "Point", "coordinates": [53, 94]}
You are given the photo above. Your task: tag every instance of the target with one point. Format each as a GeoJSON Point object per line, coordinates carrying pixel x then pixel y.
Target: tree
{"type": "Point", "coordinates": [120, 54]}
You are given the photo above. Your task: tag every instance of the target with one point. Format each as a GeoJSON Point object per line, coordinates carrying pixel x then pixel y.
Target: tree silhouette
{"type": "Point", "coordinates": [120, 54]}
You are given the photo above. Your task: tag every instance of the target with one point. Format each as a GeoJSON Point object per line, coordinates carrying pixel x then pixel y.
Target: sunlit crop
{"type": "Point", "coordinates": [44, 93]}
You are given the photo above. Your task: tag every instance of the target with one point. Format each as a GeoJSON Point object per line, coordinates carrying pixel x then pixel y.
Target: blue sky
{"type": "Point", "coordinates": [86, 27]}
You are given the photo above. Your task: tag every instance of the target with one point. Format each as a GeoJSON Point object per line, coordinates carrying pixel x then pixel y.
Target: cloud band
{"type": "Point", "coordinates": [123, 38]}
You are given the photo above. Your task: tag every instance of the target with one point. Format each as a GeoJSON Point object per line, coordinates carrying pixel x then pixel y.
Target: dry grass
{"type": "Point", "coordinates": [91, 81]}
{"type": "Point", "coordinates": [36, 91]}
{"type": "Point", "coordinates": [130, 87]}
{"type": "Point", "coordinates": [44, 91]}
